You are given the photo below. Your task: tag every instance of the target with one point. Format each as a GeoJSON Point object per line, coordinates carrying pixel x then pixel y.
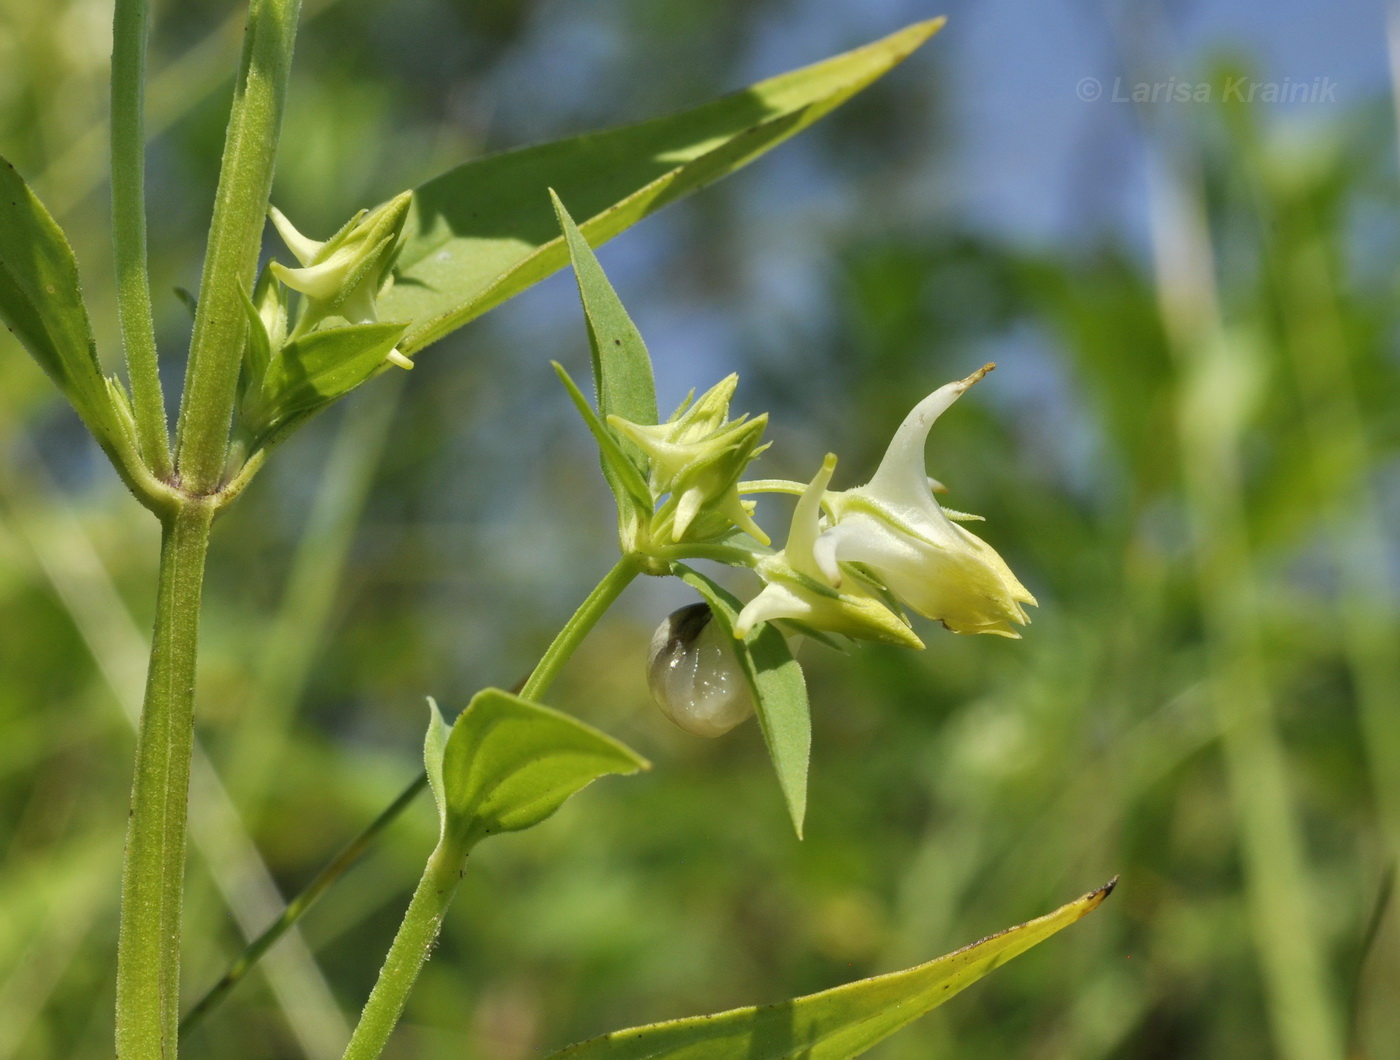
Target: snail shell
{"type": "Point", "coordinates": [694, 674]}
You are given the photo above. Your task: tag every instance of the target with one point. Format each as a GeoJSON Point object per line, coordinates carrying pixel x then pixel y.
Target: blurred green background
{"type": "Point", "coordinates": [1189, 455]}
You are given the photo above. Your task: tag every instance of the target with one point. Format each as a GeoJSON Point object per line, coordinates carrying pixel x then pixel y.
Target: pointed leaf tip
{"type": "Point", "coordinates": [479, 234]}
{"type": "Point", "coordinates": [835, 1024]}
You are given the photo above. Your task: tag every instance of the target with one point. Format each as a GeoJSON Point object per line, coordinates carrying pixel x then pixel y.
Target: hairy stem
{"type": "Point", "coordinates": [409, 952]}
{"type": "Point", "coordinates": [148, 950]}
{"type": "Point", "coordinates": [129, 31]}
{"type": "Point", "coordinates": [235, 236]}
{"type": "Point", "coordinates": [414, 941]}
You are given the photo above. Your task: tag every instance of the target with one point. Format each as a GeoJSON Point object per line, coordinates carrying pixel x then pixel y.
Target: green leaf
{"type": "Point", "coordinates": [621, 364]}
{"type": "Point", "coordinates": [779, 692]}
{"type": "Point", "coordinates": [312, 371]}
{"type": "Point", "coordinates": [509, 763]}
{"type": "Point", "coordinates": [42, 305]}
{"type": "Point", "coordinates": [434, 750]}
{"type": "Point", "coordinates": [481, 233]}
{"type": "Point", "coordinates": [835, 1024]}
{"type": "Point", "coordinates": [609, 447]}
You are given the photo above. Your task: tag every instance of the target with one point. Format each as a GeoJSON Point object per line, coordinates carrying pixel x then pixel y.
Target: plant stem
{"type": "Point", "coordinates": [129, 31]}
{"type": "Point", "coordinates": [148, 949]}
{"type": "Point", "coordinates": [235, 237]}
{"type": "Point", "coordinates": [569, 638]}
{"type": "Point", "coordinates": [421, 923]}
{"type": "Point", "coordinates": [409, 952]}
{"type": "Point", "coordinates": [299, 905]}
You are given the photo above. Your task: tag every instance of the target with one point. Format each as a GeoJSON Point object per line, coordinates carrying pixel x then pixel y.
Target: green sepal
{"type": "Point", "coordinates": [624, 470]}
{"type": "Point", "coordinates": [311, 372]}
{"type": "Point", "coordinates": [268, 299]}
{"type": "Point", "coordinates": [779, 692]}
{"type": "Point", "coordinates": [434, 750]}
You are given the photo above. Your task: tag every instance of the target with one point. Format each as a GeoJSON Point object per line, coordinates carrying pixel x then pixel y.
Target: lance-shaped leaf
{"type": "Point", "coordinates": [779, 692]}
{"type": "Point", "coordinates": [506, 764]}
{"type": "Point", "coordinates": [482, 232]}
{"type": "Point", "coordinates": [622, 377]}
{"type": "Point", "coordinates": [42, 305]}
{"type": "Point", "coordinates": [621, 364]}
{"type": "Point", "coordinates": [835, 1024]}
{"type": "Point", "coordinates": [617, 465]}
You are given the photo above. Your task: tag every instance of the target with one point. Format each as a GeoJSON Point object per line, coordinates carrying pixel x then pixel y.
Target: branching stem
{"type": "Point", "coordinates": [129, 31]}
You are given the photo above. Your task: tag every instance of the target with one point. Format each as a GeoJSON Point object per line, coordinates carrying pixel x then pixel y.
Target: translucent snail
{"type": "Point", "coordinates": [694, 674]}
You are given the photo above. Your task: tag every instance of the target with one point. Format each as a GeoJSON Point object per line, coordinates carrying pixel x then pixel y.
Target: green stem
{"type": "Point", "coordinates": [299, 905]}
{"type": "Point", "coordinates": [421, 923]}
{"type": "Point", "coordinates": [129, 31]}
{"type": "Point", "coordinates": [732, 555]}
{"type": "Point", "coordinates": [409, 952]}
{"type": "Point", "coordinates": [584, 619]}
{"type": "Point", "coordinates": [235, 236]}
{"type": "Point", "coordinates": [148, 949]}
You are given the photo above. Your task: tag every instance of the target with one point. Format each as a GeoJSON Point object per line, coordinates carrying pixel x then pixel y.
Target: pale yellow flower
{"type": "Point", "coordinates": [798, 590]}
{"type": "Point", "coordinates": [895, 530]}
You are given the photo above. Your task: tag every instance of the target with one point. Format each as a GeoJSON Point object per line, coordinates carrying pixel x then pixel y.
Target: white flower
{"type": "Point", "coordinates": [798, 590]}
{"type": "Point", "coordinates": [893, 528]}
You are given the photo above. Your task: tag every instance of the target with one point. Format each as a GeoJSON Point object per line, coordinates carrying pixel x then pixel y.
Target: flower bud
{"type": "Point", "coordinates": [694, 673]}
{"type": "Point", "coordinates": [344, 275]}
{"type": "Point", "coordinates": [698, 456]}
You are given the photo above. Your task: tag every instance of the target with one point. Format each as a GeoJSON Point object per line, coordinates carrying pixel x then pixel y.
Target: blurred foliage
{"type": "Point", "coordinates": [431, 538]}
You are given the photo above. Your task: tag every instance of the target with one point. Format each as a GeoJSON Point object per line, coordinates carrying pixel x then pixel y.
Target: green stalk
{"type": "Point", "coordinates": [423, 920]}
{"type": "Point", "coordinates": [148, 950]}
{"type": "Point", "coordinates": [129, 31]}
{"type": "Point", "coordinates": [299, 905]}
{"type": "Point", "coordinates": [409, 952]}
{"type": "Point", "coordinates": [571, 636]}
{"type": "Point", "coordinates": [235, 236]}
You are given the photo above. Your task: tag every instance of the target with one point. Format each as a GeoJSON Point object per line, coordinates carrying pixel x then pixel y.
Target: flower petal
{"type": "Point", "coordinates": [902, 472]}
{"type": "Point", "coordinates": [303, 248]}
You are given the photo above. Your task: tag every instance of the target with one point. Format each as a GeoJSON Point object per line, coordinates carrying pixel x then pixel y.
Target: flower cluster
{"type": "Point", "coordinates": [852, 560]}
